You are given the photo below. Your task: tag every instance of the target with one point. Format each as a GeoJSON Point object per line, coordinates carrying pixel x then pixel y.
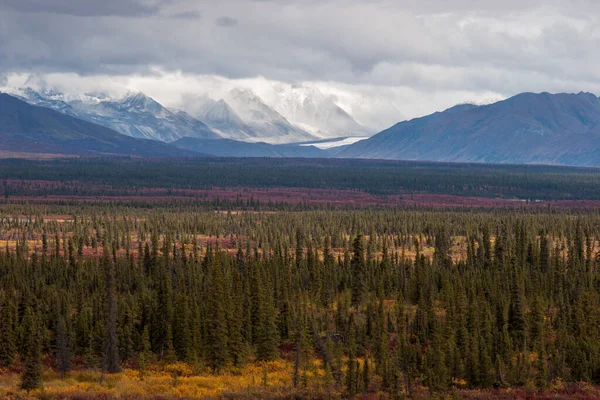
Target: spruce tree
{"type": "Point", "coordinates": [63, 347]}
{"type": "Point", "coordinates": [357, 265]}
{"type": "Point", "coordinates": [351, 363]}
{"type": "Point", "coordinates": [516, 317]}
{"type": "Point", "coordinates": [216, 338]}
{"type": "Point", "coordinates": [32, 365]}
{"type": "Point", "coordinates": [144, 352]}
{"type": "Point", "coordinates": [237, 342]}
{"type": "Point", "coordinates": [111, 359]}
{"type": "Point", "coordinates": [8, 346]}
{"type": "Point", "coordinates": [267, 335]}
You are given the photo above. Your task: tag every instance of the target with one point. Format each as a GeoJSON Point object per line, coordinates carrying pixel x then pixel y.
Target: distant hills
{"type": "Point", "coordinates": [234, 148]}
{"type": "Point", "coordinates": [25, 128]}
{"type": "Point", "coordinates": [525, 129]}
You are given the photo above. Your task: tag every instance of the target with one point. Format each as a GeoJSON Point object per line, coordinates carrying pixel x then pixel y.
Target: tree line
{"type": "Point", "coordinates": [109, 176]}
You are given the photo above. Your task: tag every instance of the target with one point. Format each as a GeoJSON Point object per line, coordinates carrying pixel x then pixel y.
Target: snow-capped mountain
{"type": "Point", "coordinates": [242, 115]}
{"type": "Point", "coordinates": [285, 114]}
{"type": "Point", "coordinates": [267, 124]}
{"type": "Point", "coordinates": [135, 115]}
{"type": "Point", "coordinates": [221, 118]}
{"type": "Point", "coordinates": [308, 108]}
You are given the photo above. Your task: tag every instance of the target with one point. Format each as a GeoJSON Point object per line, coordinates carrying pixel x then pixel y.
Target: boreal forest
{"type": "Point", "coordinates": [123, 278]}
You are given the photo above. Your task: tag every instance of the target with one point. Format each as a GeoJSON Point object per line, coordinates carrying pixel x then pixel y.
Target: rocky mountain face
{"type": "Point", "coordinates": [135, 115]}
{"type": "Point", "coordinates": [34, 129]}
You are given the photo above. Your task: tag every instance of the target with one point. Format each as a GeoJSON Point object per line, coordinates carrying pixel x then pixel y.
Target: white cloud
{"type": "Point", "coordinates": [382, 59]}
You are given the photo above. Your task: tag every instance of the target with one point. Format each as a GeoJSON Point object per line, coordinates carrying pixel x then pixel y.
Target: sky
{"type": "Point", "coordinates": [383, 61]}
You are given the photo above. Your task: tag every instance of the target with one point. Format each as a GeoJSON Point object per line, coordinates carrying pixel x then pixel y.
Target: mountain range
{"type": "Point", "coordinates": [528, 128]}
{"type": "Point", "coordinates": [25, 128]}
{"type": "Point", "coordinates": [31, 129]}
{"type": "Point", "coordinates": [287, 114]}
{"type": "Point", "coordinates": [240, 115]}
{"type": "Point", "coordinates": [135, 115]}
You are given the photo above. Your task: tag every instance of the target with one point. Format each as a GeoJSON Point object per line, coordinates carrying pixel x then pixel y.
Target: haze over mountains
{"type": "Point", "coordinates": [525, 129]}
{"type": "Point", "coordinates": [240, 115]}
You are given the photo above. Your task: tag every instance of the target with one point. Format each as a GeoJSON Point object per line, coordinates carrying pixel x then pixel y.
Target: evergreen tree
{"type": "Point", "coordinates": [216, 338]}
{"type": "Point", "coordinates": [111, 344]}
{"type": "Point", "coordinates": [8, 346]}
{"type": "Point", "coordinates": [32, 364]}
{"type": "Point", "coordinates": [359, 277]}
{"type": "Point", "coordinates": [63, 347]}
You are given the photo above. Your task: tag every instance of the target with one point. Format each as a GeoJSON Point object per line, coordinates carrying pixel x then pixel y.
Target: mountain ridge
{"type": "Point", "coordinates": [529, 128]}
{"type": "Point", "coordinates": [25, 128]}
{"type": "Point", "coordinates": [135, 115]}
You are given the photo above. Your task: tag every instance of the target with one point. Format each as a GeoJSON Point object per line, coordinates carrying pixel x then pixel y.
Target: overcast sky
{"type": "Point", "coordinates": [384, 60]}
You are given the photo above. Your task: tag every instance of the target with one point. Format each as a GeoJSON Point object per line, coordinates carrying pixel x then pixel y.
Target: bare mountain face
{"type": "Point", "coordinates": [34, 129]}
{"type": "Point", "coordinates": [136, 115]}
{"type": "Point", "coordinates": [525, 129]}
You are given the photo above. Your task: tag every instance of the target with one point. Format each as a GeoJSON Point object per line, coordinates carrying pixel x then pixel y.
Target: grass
{"type": "Point", "coordinates": [180, 381]}
{"type": "Point", "coordinates": [170, 382]}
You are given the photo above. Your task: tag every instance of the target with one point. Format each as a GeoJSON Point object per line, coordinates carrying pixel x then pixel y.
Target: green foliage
{"type": "Point", "coordinates": [32, 368]}
{"type": "Point", "coordinates": [441, 299]}
{"type": "Point", "coordinates": [8, 345]}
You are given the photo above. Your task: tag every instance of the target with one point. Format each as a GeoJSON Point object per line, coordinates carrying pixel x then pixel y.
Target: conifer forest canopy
{"type": "Point", "coordinates": [363, 278]}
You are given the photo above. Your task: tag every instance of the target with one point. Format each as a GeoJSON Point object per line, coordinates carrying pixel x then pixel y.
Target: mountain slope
{"type": "Point", "coordinates": [223, 119]}
{"type": "Point", "coordinates": [308, 108]}
{"type": "Point", "coordinates": [136, 115]}
{"type": "Point", "coordinates": [267, 125]}
{"type": "Point", "coordinates": [32, 129]}
{"type": "Point", "coordinates": [526, 129]}
{"type": "Point", "coordinates": [233, 148]}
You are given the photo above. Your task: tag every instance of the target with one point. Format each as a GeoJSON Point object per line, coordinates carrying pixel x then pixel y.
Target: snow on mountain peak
{"type": "Point", "coordinates": [306, 106]}
{"type": "Point", "coordinates": [135, 114]}
{"type": "Point", "coordinates": [141, 102]}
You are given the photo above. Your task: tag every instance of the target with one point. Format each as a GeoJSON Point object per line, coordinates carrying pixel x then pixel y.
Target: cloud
{"type": "Point", "coordinates": [227, 21]}
{"type": "Point", "coordinates": [417, 56]}
{"type": "Point", "coordinates": [86, 8]}
{"type": "Point", "coordinates": [191, 14]}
